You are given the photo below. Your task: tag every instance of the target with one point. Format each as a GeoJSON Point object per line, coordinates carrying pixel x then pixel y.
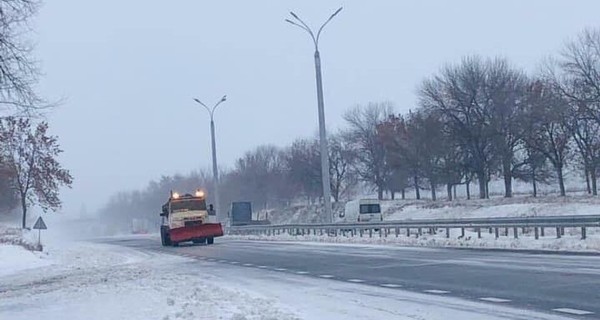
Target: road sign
{"type": "Point", "coordinates": [39, 224]}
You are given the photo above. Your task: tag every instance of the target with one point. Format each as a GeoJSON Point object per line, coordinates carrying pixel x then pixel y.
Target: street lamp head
{"type": "Point", "coordinates": [195, 99]}
{"type": "Point", "coordinates": [336, 12]}
{"type": "Point", "coordinates": [224, 98]}
{"type": "Point", "coordinates": [294, 15]}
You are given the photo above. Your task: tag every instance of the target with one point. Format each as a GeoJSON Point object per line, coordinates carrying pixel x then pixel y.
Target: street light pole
{"type": "Point", "coordinates": [321, 106]}
{"type": "Point", "coordinates": [211, 112]}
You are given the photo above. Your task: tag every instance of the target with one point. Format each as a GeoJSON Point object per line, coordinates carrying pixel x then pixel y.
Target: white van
{"type": "Point", "coordinates": [364, 210]}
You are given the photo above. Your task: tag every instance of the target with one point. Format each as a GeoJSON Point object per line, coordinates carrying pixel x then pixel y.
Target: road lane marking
{"type": "Point", "coordinates": [436, 291]}
{"type": "Point", "coordinates": [573, 311]}
{"type": "Point", "coordinates": [248, 264]}
{"type": "Point", "coordinates": [263, 267]}
{"type": "Point", "coordinates": [302, 272]}
{"type": "Point", "coordinates": [326, 276]}
{"type": "Point", "coordinates": [356, 280]}
{"type": "Point", "coordinates": [492, 299]}
{"type": "Point", "coordinates": [234, 262]}
{"type": "Point", "coordinates": [589, 270]}
{"type": "Point", "coordinates": [390, 285]}
{"type": "Point", "coordinates": [280, 269]}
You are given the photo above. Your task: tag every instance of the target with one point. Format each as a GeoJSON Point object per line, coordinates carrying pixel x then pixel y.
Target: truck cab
{"type": "Point", "coordinates": [187, 218]}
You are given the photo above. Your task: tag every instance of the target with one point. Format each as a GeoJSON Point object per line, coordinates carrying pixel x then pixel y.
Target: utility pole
{"type": "Point", "coordinates": [211, 112]}
{"type": "Point", "coordinates": [321, 107]}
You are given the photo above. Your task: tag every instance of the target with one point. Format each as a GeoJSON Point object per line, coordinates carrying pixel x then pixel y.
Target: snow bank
{"type": "Point", "coordinates": [14, 259]}
{"type": "Point", "coordinates": [484, 208]}
{"type": "Point", "coordinates": [569, 243]}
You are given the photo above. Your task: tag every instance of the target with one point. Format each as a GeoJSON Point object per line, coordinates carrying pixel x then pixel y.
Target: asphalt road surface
{"type": "Point", "coordinates": [554, 283]}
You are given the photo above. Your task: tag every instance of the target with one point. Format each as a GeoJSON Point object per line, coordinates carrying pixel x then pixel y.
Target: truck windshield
{"type": "Point", "coordinates": [370, 208]}
{"type": "Point", "coordinates": [187, 205]}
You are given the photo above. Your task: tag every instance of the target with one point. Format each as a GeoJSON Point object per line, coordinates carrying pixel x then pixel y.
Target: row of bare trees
{"type": "Point", "coordinates": [484, 118]}
{"type": "Point", "coordinates": [477, 120]}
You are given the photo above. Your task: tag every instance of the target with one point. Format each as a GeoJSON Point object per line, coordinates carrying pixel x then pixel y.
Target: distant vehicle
{"type": "Point", "coordinates": [241, 214]}
{"type": "Point", "coordinates": [186, 218]}
{"type": "Point", "coordinates": [364, 210]}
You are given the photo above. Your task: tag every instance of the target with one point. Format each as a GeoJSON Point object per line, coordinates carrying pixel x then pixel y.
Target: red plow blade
{"type": "Point", "coordinates": [206, 230]}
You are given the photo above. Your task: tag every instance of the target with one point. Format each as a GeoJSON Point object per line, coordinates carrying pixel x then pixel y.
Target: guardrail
{"type": "Point", "coordinates": [432, 226]}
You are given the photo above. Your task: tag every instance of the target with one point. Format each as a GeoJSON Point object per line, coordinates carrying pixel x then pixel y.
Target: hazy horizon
{"type": "Point", "coordinates": [129, 75]}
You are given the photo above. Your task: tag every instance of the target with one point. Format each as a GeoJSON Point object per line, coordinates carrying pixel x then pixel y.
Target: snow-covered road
{"type": "Point", "coordinates": [101, 281]}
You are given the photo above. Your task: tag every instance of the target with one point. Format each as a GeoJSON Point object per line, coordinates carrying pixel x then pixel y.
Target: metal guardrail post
{"type": "Point", "coordinates": [478, 233]}
{"type": "Point", "coordinates": [434, 225]}
{"type": "Point", "coordinates": [583, 233]}
{"type": "Point", "coordinates": [370, 233]}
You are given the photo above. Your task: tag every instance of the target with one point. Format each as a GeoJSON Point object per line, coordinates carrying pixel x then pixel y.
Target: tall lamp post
{"type": "Point", "coordinates": [211, 112]}
{"type": "Point", "coordinates": [322, 133]}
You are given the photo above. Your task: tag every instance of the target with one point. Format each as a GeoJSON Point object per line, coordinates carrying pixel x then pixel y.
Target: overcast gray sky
{"type": "Point", "coordinates": [129, 70]}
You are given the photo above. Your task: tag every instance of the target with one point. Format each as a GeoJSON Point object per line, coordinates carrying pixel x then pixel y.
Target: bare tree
{"type": "Point", "coordinates": [580, 66]}
{"type": "Point", "coordinates": [18, 71]}
{"type": "Point", "coordinates": [8, 198]}
{"type": "Point", "coordinates": [459, 94]}
{"type": "Point", "coordinates": [262, 175]}
{"type": "Point", "coordinates": [403, 150]}
{"type": "Point", "coordinates": [304, 167]}
{"type": "Point", "coordinates": [576, 74]}
{"type": "Point", "coordinates": [550, 135]}
{"type": "Point", "coordinates": [341, 160]}
{"type": "Point", "coordinates": [370, 152]}
{"type": "Point", "coordinates": [505, 92]}
{"type": "Point", "coordinates": [31, 156]}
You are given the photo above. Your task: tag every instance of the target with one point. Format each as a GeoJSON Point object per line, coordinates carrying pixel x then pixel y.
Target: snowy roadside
{"type": "Point", "coordinates": [99, 281]}
{"type": "Point", "coordinates": [568, 243]}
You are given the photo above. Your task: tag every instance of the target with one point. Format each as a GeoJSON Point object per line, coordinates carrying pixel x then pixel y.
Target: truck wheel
{"type": "Point", "coordinates": [199, 240]}
{"type": "Point", "coordinates": [164, 237]}
{"type": "Point", "coordinates": [210, 240]}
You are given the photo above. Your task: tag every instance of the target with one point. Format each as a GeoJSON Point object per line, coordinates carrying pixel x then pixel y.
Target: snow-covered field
{"type": "Point", "coordinates": [495, 207]}
{"type": "Point", "coordinates": [79, 280]}
{"type": "Point", "coordinates": [518, 206]}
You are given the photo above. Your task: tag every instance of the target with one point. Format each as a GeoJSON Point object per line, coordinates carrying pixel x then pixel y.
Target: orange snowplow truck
{"type": "Point", "coordinates": [186, 218]}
